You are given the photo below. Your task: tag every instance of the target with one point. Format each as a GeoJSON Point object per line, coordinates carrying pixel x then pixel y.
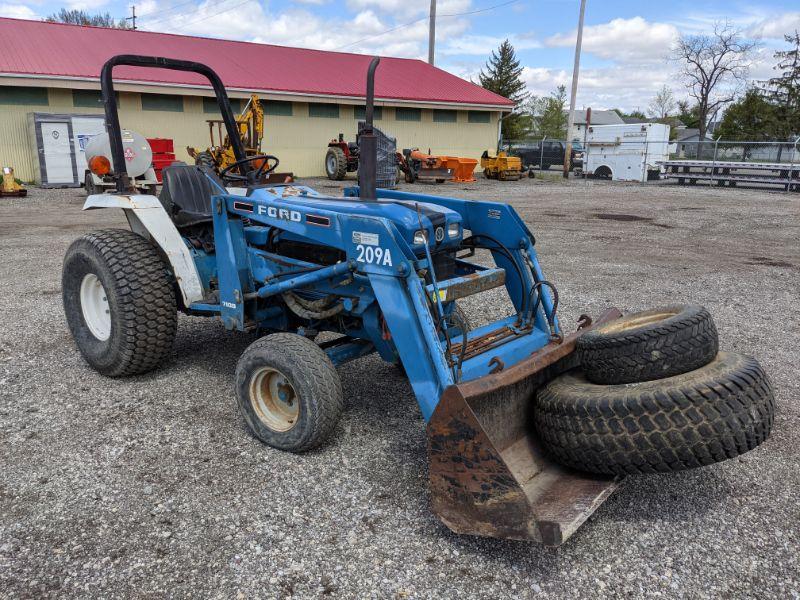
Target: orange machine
{"type": "Point", "coordinates": [417, 165]}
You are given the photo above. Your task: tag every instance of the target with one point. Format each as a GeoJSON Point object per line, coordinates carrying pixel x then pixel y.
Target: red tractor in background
{"type": "Point", "coordinates": [341, 158]}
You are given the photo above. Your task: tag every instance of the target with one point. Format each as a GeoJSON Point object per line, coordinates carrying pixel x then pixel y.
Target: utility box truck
{"type": "Point", "coordinates": [630, 152]}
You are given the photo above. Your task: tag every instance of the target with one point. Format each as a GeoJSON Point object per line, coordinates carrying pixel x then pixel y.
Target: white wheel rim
{"type": "Point", "coordinates": [94, 305]}
{"type": "Point", "coordinates": [331, 164]}
{"type": "Point", "coordinates": [274, 400]}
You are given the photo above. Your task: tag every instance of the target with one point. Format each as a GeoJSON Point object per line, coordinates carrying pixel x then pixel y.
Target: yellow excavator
{"type": "Point", "coordinates": [219, 155]}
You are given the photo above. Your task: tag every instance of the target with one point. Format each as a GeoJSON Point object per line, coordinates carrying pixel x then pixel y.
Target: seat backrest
{"type": "Point", "coordinates": [186, 193]}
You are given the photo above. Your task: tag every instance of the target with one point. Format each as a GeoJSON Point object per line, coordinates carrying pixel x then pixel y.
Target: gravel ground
{"type": "Point", "coordinates": [151, 486]}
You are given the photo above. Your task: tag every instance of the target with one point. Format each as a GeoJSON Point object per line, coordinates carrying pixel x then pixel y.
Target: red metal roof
{"type": "Point", "coordinates": [71, 51]}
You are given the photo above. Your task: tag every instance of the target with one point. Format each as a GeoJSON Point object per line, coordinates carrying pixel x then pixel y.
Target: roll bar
{"type": "Point", "coordinates": [112, 115]}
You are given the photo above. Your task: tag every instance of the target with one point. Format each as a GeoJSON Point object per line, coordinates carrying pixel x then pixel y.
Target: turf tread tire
{"type": "Point", "coordinates": [312, 375]}
{"type": "Point", "coordinates": [690, 420]}
{"type": "Point", "coordinates": [678, 344]}
{"type": "Point", "coordinates": [141, 298]}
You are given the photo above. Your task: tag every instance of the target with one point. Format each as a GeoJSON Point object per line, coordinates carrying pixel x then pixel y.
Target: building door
{"type": "Point", "coordinates": [57, 149]}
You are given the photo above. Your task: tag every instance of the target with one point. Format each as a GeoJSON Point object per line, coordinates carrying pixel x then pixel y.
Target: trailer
{"type": "Point", "coordinates": [631, 152]}
{"type": "Point", "coordinates": [732, 173]}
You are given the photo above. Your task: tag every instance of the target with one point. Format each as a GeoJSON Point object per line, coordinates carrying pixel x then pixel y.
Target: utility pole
{"type": "Point", "coordinates": [575, 69]}
{"type": "Point", "coordinates": [432, 33]}
{"type": "Point", "coordinates": [132, 18]}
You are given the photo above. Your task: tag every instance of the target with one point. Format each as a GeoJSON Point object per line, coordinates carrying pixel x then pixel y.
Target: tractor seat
{"type": "Point", "coordinates": [186, 194]}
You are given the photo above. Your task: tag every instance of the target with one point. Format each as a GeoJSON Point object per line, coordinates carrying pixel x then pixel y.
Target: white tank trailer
{"type": "Point", "coordinates": [138, 162]}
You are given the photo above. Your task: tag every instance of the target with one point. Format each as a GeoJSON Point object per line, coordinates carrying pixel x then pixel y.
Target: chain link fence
{"type": "Point", "coordinates": [633, 156]}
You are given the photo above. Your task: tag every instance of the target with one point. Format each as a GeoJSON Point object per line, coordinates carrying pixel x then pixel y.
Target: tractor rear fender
{"type": "Point", "coordinates": [147, 217]}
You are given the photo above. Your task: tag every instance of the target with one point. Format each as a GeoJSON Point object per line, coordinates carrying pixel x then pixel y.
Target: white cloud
{"type": "Point", "coordinates": [18, 11]}
{"type": "Point", "coordinates": [622, 86]}
{"type": "Point", "coordinates": [776, 26]}
{"type": "Point", "coordinates": [483, 45]}
{"type": "Point", "coordinates": [634, 40]}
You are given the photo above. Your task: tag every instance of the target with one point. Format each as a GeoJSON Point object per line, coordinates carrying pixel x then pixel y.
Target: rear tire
{"type": "Point", "coordinates": [699, 418]}
{"type": "Point", "coordinates": [119, 301]}
{"type": "Point", "coordinates": [335, 164]}
{"type": "Point", "coordinates": [288, 391]}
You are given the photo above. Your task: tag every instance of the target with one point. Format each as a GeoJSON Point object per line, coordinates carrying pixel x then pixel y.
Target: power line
{"type": "Point", "coordinates": [461, 14]}
{"type": "Point", "coordinates": [216, 14]}
{"type": "Point", "coordinates": [178, 15]}
{"type": "Point", "coordinates": [161, 12]}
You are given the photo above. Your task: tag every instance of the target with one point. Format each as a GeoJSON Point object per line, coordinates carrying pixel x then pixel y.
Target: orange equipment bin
{"type": "Point", "coordinates": [462, 168]}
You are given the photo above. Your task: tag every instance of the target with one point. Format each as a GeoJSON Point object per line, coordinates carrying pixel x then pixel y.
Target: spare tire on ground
{"type": "Point", "coordinates": [649, 345]}
{"type": "Point", "coordinates": [706, 416]}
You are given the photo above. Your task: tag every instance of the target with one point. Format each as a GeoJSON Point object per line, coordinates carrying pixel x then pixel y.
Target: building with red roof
{"type": "Point", "coordinates": [311, 96]}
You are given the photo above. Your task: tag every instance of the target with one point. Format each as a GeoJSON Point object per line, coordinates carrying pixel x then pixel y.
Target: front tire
{"type": "Point", "coordinates": [119, 302]}
{"type": "Point", "coordinates": [288, 391]}
{"type": "Point", "coordinates": [690, 420]}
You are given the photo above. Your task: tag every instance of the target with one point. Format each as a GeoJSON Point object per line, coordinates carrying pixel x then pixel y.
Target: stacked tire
{"type": "Point", "coordinates": [654, 394]}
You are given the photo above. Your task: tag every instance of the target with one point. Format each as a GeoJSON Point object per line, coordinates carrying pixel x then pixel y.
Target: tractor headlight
{"type": "Point", "coordinates": [420, 237]}
{"type": "Point", "coordinates": [453, 230]}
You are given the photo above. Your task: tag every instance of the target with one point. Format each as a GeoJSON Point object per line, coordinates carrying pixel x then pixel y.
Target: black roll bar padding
{"type": "Point", "coordinates": [368, 142]}
{"type": "Point", "coordinates": [172, 64]}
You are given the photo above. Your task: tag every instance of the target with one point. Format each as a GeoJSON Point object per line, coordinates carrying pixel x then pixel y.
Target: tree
{"type": "Point", "coordinates": [688, 115]}
{"type": "Point", "coordinates": [553, 120]}
{"type": "Point", "coordinates": [752, 118]}
{"type": "Point", "coordinates": [662, 105]}
{"type": "Point", "coordinates": [503, 76]}
{"type": "Point", "coordinates": [634, 114]}
{"type": "Point", "coordinates": [80, 17]}
{"type": "Point", "coordinates": [784, 91]}
{"type": "Point", "coordinates": [711, 65]}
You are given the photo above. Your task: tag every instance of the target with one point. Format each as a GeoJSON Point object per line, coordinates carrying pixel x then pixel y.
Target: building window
{"type": "Point", "coordinates": [478, 116]}
{"type": "Point", "coordinates": [360, 113]}
{"type": "Point", "coordinates": [445, 116]}
{"type": "Point", "coordinates": [23, 95]}
{"type": "Point", "coordinates": [165, 102]}
{"type": "Point", "coordinates": [326, 111]}
{"type": "Point", "coordinates": [278, 108]}
{"type": "Point", "coordinates": [89, 98]}
{"type": "Point", "coordinates": [210, 105]}
{"type": "Point", "coordinates": [407, 114]}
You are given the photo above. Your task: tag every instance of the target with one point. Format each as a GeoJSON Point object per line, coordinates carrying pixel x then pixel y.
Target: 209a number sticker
{"type": "Point", "coordinates": [374, 255]}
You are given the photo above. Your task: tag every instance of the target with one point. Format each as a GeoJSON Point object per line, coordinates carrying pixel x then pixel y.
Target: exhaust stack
{"type": "Point", "coordinates": [368, 142]}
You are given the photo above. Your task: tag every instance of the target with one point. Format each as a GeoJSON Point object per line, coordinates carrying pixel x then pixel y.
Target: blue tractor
{"type": "Point", "coordinates": [375, 271]}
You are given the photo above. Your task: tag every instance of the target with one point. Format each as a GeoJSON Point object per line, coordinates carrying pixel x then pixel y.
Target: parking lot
{"type": "Point", "coordinates": [151, 486]}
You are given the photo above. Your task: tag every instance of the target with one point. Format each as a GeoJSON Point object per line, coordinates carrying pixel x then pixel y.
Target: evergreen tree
{"type": "Point", "coordinates": [784, 91]}
{"type": "Point", "coordinates": [503, 76]}
{"type": "Point", "coordinates": [80, 17]}
{"type": "Point", "coordinates": [752, 118]}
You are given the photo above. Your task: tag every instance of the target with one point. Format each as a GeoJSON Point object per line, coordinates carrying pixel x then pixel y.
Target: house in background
{"type": "Point", "coordinates": [599, 117]}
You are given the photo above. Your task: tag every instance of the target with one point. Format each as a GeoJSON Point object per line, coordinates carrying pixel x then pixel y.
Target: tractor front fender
{"type": "Point", "coordinates": [147, 217]}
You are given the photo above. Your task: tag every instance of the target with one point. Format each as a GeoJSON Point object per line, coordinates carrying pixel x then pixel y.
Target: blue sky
{"type": "Point", "coordinates": [625, 46]}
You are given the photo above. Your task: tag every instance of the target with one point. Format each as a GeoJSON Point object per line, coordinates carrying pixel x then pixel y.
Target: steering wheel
{"type": "Point", "coordinates": [268, 164]}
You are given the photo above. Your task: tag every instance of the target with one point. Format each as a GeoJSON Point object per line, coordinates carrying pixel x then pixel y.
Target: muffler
{"type": "Point", "coordinates": [488, 473]}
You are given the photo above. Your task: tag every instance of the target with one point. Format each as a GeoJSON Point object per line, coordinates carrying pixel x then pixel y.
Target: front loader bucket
{"type": "Point", "coordinates": [488, 473]}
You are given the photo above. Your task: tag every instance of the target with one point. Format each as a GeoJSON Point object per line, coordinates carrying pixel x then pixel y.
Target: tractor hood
{"type": "Point", "coordinates": [442, 225]}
